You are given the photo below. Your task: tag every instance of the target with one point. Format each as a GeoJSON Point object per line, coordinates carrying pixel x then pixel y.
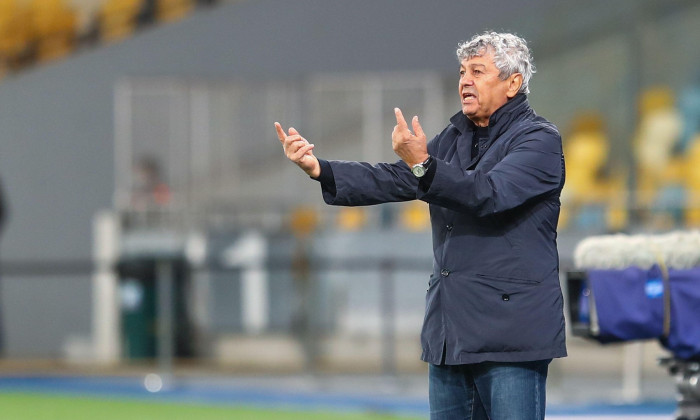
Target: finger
{"type": "Point", "coordinates": [293, 132]}
{"type": "Point", "coordinates": [400, 120]}
{"type": "Point", "coordinates": [280, 132]}
{"type": "Point", "coordinates": [299, 154]}
{"type": "Point", "coordinates": [293, 143]}
{"type": "Point", "coordinates": [417, 128]}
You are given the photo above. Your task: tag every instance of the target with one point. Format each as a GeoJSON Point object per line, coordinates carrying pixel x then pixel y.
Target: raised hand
{"type": "Point", "coordinates": [411, 148]}
{"type": "Point", "coordinates": [298, 150]}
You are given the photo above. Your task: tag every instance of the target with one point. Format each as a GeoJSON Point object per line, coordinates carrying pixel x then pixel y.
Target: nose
{"type": "Point", "coordinates": [465, 80]}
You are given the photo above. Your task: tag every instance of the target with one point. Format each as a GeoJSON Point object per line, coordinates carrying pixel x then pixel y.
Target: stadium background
{"type": "Point", "coordinates": [275, 284]}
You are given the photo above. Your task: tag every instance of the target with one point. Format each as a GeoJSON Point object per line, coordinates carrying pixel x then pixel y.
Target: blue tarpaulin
{"type": "Point", "coordinates": [630, 306]}
{"type": "Point", "coordinates": [684, 340]}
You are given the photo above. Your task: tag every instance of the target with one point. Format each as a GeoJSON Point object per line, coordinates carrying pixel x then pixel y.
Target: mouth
{"type": "Point", "coordinates": [468, 97]}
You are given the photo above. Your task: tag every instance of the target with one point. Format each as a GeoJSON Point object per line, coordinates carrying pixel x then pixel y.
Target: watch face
{"type": "Point", "coordinates": [418, 170]}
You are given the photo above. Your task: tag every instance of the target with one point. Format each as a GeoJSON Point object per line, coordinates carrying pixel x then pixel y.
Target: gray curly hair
{"type": "Point", "coordinates": [510, 54]}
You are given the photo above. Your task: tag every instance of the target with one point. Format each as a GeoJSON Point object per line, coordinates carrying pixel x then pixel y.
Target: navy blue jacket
{"type": "Point", "coordinates": [494, 293]}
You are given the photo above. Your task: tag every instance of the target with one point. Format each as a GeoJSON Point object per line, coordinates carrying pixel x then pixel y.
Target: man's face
{"type": "Point", "coordinates": [481, 90]}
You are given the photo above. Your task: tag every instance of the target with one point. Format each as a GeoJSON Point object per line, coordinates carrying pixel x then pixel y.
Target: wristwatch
{"type": "Point", "coordinates": [419, 169]}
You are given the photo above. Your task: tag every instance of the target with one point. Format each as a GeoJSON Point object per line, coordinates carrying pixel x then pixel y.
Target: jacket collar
{"type": "Point", "coordinates": [499, 120]}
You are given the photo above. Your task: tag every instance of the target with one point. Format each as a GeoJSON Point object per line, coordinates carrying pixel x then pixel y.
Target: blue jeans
{"type": "Point", "coordinates": [488, 391]}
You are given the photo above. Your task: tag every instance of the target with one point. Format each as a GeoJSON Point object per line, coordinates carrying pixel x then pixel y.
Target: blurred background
{"type": "Point", "coordinates": [152, 224]}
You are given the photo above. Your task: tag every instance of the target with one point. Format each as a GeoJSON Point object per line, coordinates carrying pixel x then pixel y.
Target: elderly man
{"type": "Point", "coordinates": [494, 313]}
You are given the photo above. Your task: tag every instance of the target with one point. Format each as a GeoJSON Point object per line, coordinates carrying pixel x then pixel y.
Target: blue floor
{"type": "Point", "coordinates": [219, 392]}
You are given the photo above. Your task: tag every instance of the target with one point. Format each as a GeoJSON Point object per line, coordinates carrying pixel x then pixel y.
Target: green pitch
{"type": "Point", "coordinates": [20, 406]}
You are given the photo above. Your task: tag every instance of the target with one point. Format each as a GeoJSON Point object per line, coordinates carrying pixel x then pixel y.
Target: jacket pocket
{"type": "Point", "coordinates": [507, 280]}
{"type": "Point", "coordinates": [502, 314]}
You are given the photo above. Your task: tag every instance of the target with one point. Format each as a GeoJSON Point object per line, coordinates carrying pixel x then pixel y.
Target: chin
{"type": "Point", "coordinates": [470, 109]}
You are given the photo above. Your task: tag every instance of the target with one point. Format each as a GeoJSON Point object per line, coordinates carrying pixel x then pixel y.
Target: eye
{"type": "Point", "coordinates": [462, 72]}
{"type": "Point", "coordinates": [475, 71]}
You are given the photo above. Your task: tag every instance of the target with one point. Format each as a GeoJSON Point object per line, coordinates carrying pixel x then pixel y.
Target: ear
{"type": "Point", "coordinates": [515, 81]}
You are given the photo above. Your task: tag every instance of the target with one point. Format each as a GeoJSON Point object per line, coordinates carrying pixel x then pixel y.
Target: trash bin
{"type": "Point", "coordinates": [138, 284]}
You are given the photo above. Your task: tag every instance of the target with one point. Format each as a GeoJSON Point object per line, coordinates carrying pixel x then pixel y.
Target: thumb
{"type": "Point", "coordinates": [417, 129]}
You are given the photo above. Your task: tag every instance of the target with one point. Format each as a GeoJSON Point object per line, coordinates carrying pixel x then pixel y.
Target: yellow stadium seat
{"type": "Point", "coordinates": [617, 216]}
{"type": "Point", "coordinates": [351, 219]}
{"type": "Point", "coordinates": [415, 216]}
{"type": "Point", "coordinates": [659, 129]}
{"type": "Point", "coordinates": [14, 34]}
{"type": "Point", "coordinates": [586, 150]}
{"type": "Point", "coordinates": [594, 195]}
{"type": "Point", "coordinates": [170, 10]}
{"type": "Point", "coordinates": [303, 221]}
{"type": "Point", "coordinates": [54, 25]}
{"type": "Point", "coordinates": [692, 183]}
{"type": "Point", "coordinates": [591, 198]}
{"type": "Point", "coordinates": [117, 19]}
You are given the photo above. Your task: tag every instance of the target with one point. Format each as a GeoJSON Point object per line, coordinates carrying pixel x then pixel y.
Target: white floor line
{"type": "Point", "coordinates": [622, 417]}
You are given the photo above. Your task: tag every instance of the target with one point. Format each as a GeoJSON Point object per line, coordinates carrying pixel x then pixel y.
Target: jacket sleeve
{"type": "Point", "coordinates": [362, 184]}
{"type": "Point", "coordinates": [533, 166]}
